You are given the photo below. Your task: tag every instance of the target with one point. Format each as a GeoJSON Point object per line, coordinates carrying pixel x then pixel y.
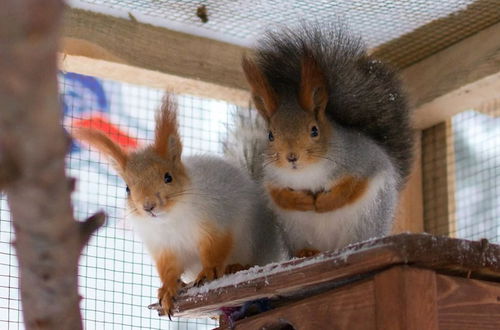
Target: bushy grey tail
{"type": "Point", "coordinates": [246, 143]}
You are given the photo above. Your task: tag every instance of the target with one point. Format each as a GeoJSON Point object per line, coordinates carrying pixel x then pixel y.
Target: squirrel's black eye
{"type": "Point", "coordinates": [314, 131]}
{"type": "Point", "coordinates": [128, 190]}
{"type": "Point", "coordinates": [271, 136]}
{"type": "Point", "coordinates": [168, 178]}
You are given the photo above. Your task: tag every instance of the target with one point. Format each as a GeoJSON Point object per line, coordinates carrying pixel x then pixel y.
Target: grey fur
{"type": "Point", "coordinates": [227, 194]}
{"type": "Point", "coordinates": [247, 143]}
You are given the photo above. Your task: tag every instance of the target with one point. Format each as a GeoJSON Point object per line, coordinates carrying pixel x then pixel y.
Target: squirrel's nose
{"type": "Point", "coordinates": [292, 157]}
{"type": "Point", "coordinates": [148, 207]}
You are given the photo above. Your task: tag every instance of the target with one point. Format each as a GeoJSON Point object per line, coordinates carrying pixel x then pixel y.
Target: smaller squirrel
{"type": "Point", "coordinates": [339, 143]}
{"type": "Point", "coordinates": [198, 217]}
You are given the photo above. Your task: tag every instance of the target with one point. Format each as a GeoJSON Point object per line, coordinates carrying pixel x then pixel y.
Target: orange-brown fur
{"type": "Point", "coordinates": [289, 199]}
{"type": "Point", "coordinates": [308, 150]}
{"type": "Point", "coordinates": [264, 97]}
{"type": "Point", "coordinates": [145, 180]}
{"type": "Point", "coordinates": [344, 192]}
{"type": "Point", "coordinates": [166, 133]}
{"type": "Point", "coordinates": [290, 124]}
{"type": "Point", "coordinates": [305, 253]}
{"type": "Point", "coordinates": [143, 170]}
{"type": "Point", "coordinates": [234, 268]}
{"type": "Point", "coordinates": [313, 94]}
{"type": "Point", "coordinates": [170, 271]}
{"type": "Point", "coordinates": [215, 247]}
{"type": "Point", "coordinates": [104, 144]}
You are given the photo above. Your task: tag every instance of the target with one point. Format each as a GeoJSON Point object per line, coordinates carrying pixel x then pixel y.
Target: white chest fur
{"type": "Point", "coordinates": [330, 230]}
{"type": "Point", "coordinates": [175, 231]}
{"type": "Point", "coordinates": [311, 177]}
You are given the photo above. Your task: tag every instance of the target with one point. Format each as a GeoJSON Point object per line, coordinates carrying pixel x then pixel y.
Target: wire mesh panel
{"type": "Point", "coordinates": [461, 167]}
{"type": "Point", "coordinates": [117, 277]}
{"type": "Point", "coordinates": [242, 21]}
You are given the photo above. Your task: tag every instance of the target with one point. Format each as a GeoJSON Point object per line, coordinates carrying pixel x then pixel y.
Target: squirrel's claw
{"type": "Point", "coordinates": [206, 275]}
{"type": "Point", "coordinates": [163, 310]}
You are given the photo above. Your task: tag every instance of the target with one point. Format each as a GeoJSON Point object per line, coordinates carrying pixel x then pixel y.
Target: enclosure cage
{"type": "Point", "coordinates": [118, 57]}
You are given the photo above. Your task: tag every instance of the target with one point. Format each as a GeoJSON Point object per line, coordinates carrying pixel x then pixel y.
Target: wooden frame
{"type": "Point", "coordinates": [154, 48]}
{"type": "Point", "coordinates": [290, 278]}
{"type": "Point", "coordinates": [407, 281]}
{"type": "Point", "coordinates": [458, 78]}
{"type": "Point", "coordinates": [410, 212]}
{"type": "Point", "coordinates": [438, 164]}
{"type": "Point", "coordinates": [155, 79]}
{"type": "Point", "coordinates": [401, 297]}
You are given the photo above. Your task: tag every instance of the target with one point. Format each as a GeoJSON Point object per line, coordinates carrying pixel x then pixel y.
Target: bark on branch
{"type": "Point", "coordinates": [33, 147]}
{"type": "Point", "coordinates": [89, 226]}
{"type": "Point", "coordinates": [8, 170]}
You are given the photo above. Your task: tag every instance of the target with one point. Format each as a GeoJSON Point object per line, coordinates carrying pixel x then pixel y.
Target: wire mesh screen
{"type": "Point", "coordinates": [117, 277]}
{"type": "Point", "coordinates": [401, 32]}
{"type": "Point", "coordinates": [461, 167]}
{"type": "Point", "coordinates": [242, 21]}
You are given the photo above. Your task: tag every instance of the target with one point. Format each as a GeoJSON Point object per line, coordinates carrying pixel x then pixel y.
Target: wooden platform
{"type": "Point", "coordinates": [407, 281]}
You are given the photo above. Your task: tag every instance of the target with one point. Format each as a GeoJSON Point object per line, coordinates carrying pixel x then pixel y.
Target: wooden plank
{"type": "Point", "coordinates": [467, 304]}
{"type": "Point", "coordinates": [350, 307]}
{"type": "Point", "coordinates": [331, 269]}
{"type": "Point", "coordinates": [134, 75]}
{"type": "Point", "coordinates": [438, 171]}
{"type": "Point", "coordinates": [157, 49]}
{"type": "Point", "coordinates": [406, 299]}
{"type": "Point", "coordinates": [462, 63]}
{"type": "Point", "coordinates": [491, 106]}
{"type": "Point", "coordinates": [302, 278]}
{"type": "Point", "coordinates": [476, 95]}
{"type": "Point", "coordinates": [410, 211]}
{"type": "Point", "coordinates": [439, 34]}
{"type": "Point", "coordinates": [451, 178]}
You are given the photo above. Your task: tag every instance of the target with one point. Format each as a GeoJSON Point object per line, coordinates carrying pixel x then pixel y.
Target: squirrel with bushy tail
{"type": "Point", "coordinates": [335, 146]}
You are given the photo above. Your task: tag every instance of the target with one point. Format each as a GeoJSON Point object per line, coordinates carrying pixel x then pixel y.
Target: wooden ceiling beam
{"type": "Point", "coordinates": [459, 77]}
{"type": "Point", "coordinates": [153, 48]}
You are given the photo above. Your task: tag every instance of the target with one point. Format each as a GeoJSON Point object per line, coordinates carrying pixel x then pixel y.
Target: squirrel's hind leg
{"type": "Point", "coordinates": [234, 268]}
{"type": "Point", "coordinates": [214, 247]}
{"type": "Point", "coordinates": [305, 253]}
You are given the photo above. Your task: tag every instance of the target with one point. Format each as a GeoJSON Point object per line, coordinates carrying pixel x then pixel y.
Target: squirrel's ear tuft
{"type": "Point", "coordinates": [263, 95]}
{"type": "Point", "coordinates": [313, 93]}
{"type": "Point", "coordinates": [167, 140]}
{"type": "Point", "coordinates": [104, 144]}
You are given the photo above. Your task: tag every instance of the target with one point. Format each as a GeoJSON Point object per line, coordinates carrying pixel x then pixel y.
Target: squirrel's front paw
{"type": "Point", "coordinates": [303, 202]}
{"type": "Point", "coordinates": [289, 199]}
{"type": "Point", "coordinates": [208, 274]}
{"type": "Point", "coordinates": [166, 295]}
{"type": "Point", "coordinates": [324, 202]}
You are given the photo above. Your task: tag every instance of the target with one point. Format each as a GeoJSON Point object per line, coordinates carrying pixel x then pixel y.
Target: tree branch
{"type": "Point", "coordinates": [9, 172]}
{"type": "Point", "coordinates": [89, 226]}
{"type": "Point", "coordinates": [33, 147]}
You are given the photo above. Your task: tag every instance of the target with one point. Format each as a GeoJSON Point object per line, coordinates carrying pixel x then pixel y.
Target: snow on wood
{"type": "Point", "coordinates": [333, 269]}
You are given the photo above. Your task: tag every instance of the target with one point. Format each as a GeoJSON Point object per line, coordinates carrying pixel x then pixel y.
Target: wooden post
{"type": "Point", "coordinates": [406, 299]}
{"type": "Point", "coordinates": [350, 307]}
{"type": "Point", "coordinates": [409, 213]}
{"type": "Point", "coordinates": [438, 170]}
{"type": "Point", "coordinates": [33, 146]}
